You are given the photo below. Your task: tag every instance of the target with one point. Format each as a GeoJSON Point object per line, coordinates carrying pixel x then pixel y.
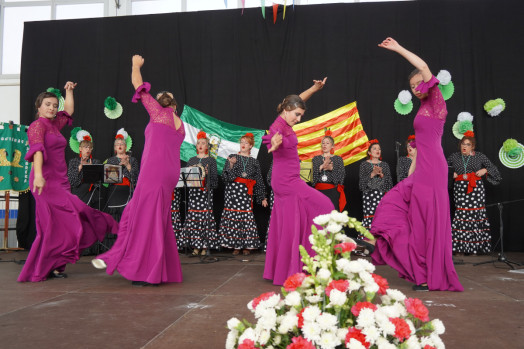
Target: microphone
{"type": "Point", "coordinates": [397, 145]}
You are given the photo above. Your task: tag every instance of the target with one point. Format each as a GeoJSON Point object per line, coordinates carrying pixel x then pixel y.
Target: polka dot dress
{"type": "Point", "coordinates": [403, 165]}
{"type": "Point", "coordinates": [470, 226]}
{"type": "Point", "coordinates": [176, 220]}
{"type": "Point", "coordinates": [238, 229]}
{"type": "Point", "coordinates": [373, 189]}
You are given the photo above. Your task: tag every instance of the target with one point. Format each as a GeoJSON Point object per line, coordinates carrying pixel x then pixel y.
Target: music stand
{"type": "Point", "coordinates": [502, 257]}
{"type": "Point", "coordinates": [306, 171]}
{"type": "Point", "coordinates": [190, 177]}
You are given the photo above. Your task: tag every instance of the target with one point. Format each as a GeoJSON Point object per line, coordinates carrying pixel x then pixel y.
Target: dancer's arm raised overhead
{"type": "Point", "coordinates": [317, 86]}
{"type": "Point", "coordinates": [392, 45]}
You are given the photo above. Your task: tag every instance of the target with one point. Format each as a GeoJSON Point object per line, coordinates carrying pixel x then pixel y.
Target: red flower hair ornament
{"type": "Point", "coordinates": [469, 133]}
{"type": "Point", "coordinates": [119, 136]}
{"type": "Point", "coordinates": [249, 134]}
{"type": "Point", "coordinates": [201, 135]}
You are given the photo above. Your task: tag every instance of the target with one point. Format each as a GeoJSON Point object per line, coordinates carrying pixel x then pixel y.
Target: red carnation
{"type": "Point", "coordinates": [328, 133]}
{"type": "Point", "coordinates": [341, 285]}
{"type": "Point", "coordinates": [87, 138]}
{"type": "Point", "coordinates": [469, 133]}
{"type": "Point", "coordinates": [411, 137]}
{"type": "Point", "coordinates": [358, 335]}
{"type": "Point", "coordinates": [414, 306]}
{"type": "Point", "coordinates": [301, 318]}
{"type": "Point", "coordinates": [345, 247]}
{"type": "Point", "coordinates": [294, 281]}
{"type": "Point", "coordinates": [373, 141]}
{"type": "Point", "coordinates": [262, 297]}
{"type": "Point", "coordinates": [201, 135]}
{"type": "Point", "coordinates": [249, 134]}
{"type": "Point", "coordinates": [427, 346]}
{"type": "Point", "coordinates": [119, 136]}
{"type": "Point", "coordinates": [355, 310]}
{"type": "Point", "coordinates": [402, 330]}
{"type": "Point", "coordinates": [247, 344]}
{"type": "Point", "coordinates": [381, 282]}
{"type": "Point", "coordinates": [300, 343]}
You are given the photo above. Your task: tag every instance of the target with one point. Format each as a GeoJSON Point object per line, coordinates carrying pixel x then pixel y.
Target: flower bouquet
{"type": "Point", "coordinates": [336, 303]}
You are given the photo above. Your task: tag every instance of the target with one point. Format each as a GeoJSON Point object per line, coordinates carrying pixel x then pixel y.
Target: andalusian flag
{"type": "Point", "coordinates": [224, 138]}
{"type": "Point", "coordinates": [351, 142]}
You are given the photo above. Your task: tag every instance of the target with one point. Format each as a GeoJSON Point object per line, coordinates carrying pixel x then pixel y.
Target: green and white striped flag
{"type": "Point", "coordinates": [224, 138]}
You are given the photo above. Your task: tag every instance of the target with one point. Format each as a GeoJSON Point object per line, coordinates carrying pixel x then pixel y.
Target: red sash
{"type": "Point", "coordinates": [250, 183]}
{"type": "Point", "coordinates": [125, 181]}
{"type": "Point", "coordinates": [472, 179]}
{"type": "Point", "coordinates": [340, 189]}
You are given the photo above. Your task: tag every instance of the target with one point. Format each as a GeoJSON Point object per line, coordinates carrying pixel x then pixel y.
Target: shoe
{"type": "Point", "coordinates": [236, 252]}
{"type": "Point", "coordinates": [420, 288]}
{"type": "Point", "coordinates": [98, 263]}
{"type": "Point", "coordinates": [204, 252]}
{"type": "Point", "coordinates": [57, 275]}
{"type": "Point", "coordinates": [142, 283]}
{"type": "Point", "coordinates": [195, 252]}
{"type": "Point", "coordinates": [246, 252]}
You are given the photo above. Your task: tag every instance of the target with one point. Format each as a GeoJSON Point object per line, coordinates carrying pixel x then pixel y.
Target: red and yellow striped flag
{"type": "Point", "coordinates": [351, 141]}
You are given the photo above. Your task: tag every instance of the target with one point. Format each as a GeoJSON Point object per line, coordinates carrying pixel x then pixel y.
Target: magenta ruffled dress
{"type": "Point", "coordinates": [412, 222]}
{"type": "Point", "coordinates": [146, 249]}
{"type": "Point", "coordinates": [295, 206]}
{"type": "Point", "coordinates": [64, 224]}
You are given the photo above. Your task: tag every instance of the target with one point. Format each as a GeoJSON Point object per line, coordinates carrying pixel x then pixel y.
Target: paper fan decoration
{"type": "Point", "coordinates": [494, 106]}
{"type": "Point", "coordinates": [58, 94]}
{"type": "Point", "coordinates": [465, 116]}
{"type": "Point", "coordinates": [122, 134]}
{"type": "Point", "coordinates": [403, 104]}
{"type": "Point", "coordinates": [78, 135]}
{"type": "Point", "coordinates": [112, 108]}
{"type": "Point", "coordinates": [460, 127]}
{"type": "Point", "coordinates": [445, 84]}
{"type": "Point", "coordinates": [511, 154]}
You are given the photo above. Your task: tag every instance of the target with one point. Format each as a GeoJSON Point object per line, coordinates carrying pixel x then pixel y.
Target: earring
{"type": "Point", "coordinates": [80, 155]}
{"type": "Point", "coordinates": [206, 152]}
{"type": "Point", "coordinates": [332, 151]}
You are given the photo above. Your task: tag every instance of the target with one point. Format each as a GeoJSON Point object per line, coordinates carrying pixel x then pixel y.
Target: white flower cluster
{"type": "Point", "coordinates": [340, 304]}
{"type": "Point", "coordinates": [81, 134]}
{"type": "Point", "coordinates": [496, 110]}
{"type": "Point", "coordinates": [444, 77]}
{"type": "Point", "coordinates": [404, 96]}
{"type": "Point", "coordinates": [465, 116]}
{"type": "Point", "coordinates": [122, 132]}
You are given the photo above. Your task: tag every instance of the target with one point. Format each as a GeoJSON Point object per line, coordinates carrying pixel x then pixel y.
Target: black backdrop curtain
{"type": "Point", "coordinates": [238, 68]}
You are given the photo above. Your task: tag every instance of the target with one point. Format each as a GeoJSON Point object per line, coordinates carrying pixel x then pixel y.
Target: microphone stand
{"type": "Point", "coordinates": [502, 257]}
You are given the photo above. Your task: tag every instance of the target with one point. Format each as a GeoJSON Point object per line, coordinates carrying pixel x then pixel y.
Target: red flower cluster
{"type": "Point", "coordinates": [247, 344]}
{"type": "Point", "coordinates": [427, 346]}
{"type": "Point", "coordinates": [300, 343]}
{"type": "Point", "coordinates": [119, 136]}
{"type": "Point", "coordinates": [345, 247]}
{"type": "Point", "coordinates": [411, 137]}
{"type": "Point", "coordinates": [262, 297]}
{"type": "Point", "coordinates": [469, 134]}
{"type": "Point", "coordinates": [373, 141]}
{"type": "Point", "coordinates": [328, 133]}
{"type": "Point", "coordinates": [301, 318]}
{"type": "Point", "coordinates": [249, 134]}
{"type": "Point", "coordinates": [87, 138]}
{"type": "Point", "coordinates": [381, 282]}
{"type": "Point", "coordinates": [358, 335]}
{"type": "Point", "coordinates": [414, 306]}
{"type": "Point", "coordinates": [294, 281]}
{"type": "Point", "coordinates": [355, 310]}
{"type": "Point", "coordinates": [341, 285]}
{"type": "Point", "coordinates": [402, 330]}
{"type": "Point", "coordinates": [201, 135]}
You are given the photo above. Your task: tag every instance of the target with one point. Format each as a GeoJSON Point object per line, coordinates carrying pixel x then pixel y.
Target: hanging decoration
{"type": "Point", "coordinates": [112, 108]}
{"type": "Point", "coordinates": [512, 154]}
{"type": "Point", "coordinates": [243, 5]}
{"type": "Point", "coordinates": [403, 104]}
{"type": "Point", "coordinates": [445, 84]}
{"type": "Point", "coordinates": [463, 124]}
{"type": "Point", "coordinates": [284, 15]}
{"type": "Point", "coordinates": [275, 10]}
{"type": "Point", "coordinates": [263, 7]}
{"type": "Point", "coordinates": [495, 106]}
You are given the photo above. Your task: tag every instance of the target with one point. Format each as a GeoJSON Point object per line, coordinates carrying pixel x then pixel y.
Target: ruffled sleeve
{"type": "Point", "coordinates": [493, 175]}
{"type": "Point", "coordinates": [62, 119]}
{"type": "Point", "coordinates": [36, 136]}
{"type": "Point", "coordinates": [433, 105]}
{"type": "Point", "coordinates": [140, 91]}
{"type": "Point", "coordinates": [280, 126]}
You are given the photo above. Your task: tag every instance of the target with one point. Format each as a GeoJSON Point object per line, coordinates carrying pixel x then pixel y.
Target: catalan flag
{"type": "Point", "coordinates": [351, 141]}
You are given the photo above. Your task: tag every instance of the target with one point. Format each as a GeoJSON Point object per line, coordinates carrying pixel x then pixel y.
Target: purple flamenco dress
{"type": "Point", "coordinates": [146, 249]}
{"type": "Point", "coordinates": [412, 222]}
{"type": "Point", "coordinates": [64, 224]}
{"type": "Point", "coordinates": [295, 206]}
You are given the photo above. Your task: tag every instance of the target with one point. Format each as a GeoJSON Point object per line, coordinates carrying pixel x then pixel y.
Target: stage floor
{"type": "Point", "coordinates": [90, 309]}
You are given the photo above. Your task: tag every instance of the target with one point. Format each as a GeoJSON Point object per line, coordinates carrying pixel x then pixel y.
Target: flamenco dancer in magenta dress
{"type": "Point", "coordinates": [64, 224]}
{"type": "Point", "coordinates": [145, 250]}
{"type": "Point", "coordinates": [412, 223]}
{"type": "Point", "coordinates": [296, 203]}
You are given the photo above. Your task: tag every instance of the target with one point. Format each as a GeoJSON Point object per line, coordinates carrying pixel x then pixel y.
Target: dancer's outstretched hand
{"type": "Point", "coordinates": [69, 86]}
{"type": "Point", "coordinates": [276, 140]}
{"type": "Point", "coordinates": [319, 84]}
{"type": "Point", "coordinates": [138, 61]}
{"type": "Point", "coordinates": [390, 44]}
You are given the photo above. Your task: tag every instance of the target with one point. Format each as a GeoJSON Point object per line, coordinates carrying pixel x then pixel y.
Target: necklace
{"type": "Point", "coordinates": [244, 174]}
{"type": "Point", "coordinates": [465, 176]}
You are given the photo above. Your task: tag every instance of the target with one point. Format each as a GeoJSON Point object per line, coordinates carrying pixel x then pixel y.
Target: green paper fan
{"type": "Point", "coordinates": [61, 103]}
{"type": "Point", "coordinates": [512, 161]}
{"type": "Point", "coordinates": [456, 130]}
{"type": "Point", "coordinates": [403, 109]}
{"type": "Point", "coordinates": [447, 90]}
{"type": "Point", "coordinates": [129, 142]}
{"type": "Point", "coordinates": [115, 113]}
{"type": "Point", "coordinates": [74, 145]}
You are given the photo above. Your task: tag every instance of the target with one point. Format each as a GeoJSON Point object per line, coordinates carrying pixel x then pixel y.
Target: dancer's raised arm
{"type": "Point", "coordinates": [136, 75]}
{"type": "Point", "coordinates": [392, 45]}
{"type": "Point", "coordinates": [317, 86]}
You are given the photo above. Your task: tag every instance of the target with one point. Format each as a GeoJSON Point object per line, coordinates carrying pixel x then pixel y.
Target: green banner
{"type": "Point", "coordinates": [14, 170]}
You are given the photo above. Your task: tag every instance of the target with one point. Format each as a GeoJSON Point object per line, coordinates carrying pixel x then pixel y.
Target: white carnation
{"type": "Point", "coordinates": [327, 321]}
{"type": "Point", "coordinates": [438, 342]}
{"type": "Point", "coordinates": [342, 333]}
{"type": "Point", "coordinates": [81, 134]}
{"type": "Point", "coordinates": [268, 320]}
{"type": "Point", "coordinates": [354, 286]}
{"type": "Point", "coordinates": [413, 343]}
{"type": "Point", "coordinates": [122, 132]}
{"type": "Point", "coordinates": [233, 323]}
{"type": "Point", "coordinates": [231, 339]}
{"type": "Point", "coordinates": [311, 239]}
{"type": "Point", "coordinates": [249, 333]}
{"type": "Point", "coordinates": [293, 299]}
{"type": "Point", "coordinates": [355, 344]}
{"type": "Point", "coordinates": [343, 265]}
{"type": "Point", "coordinates": [339, 217]}
{"type": "Point", "coordinates": [313, 299]}
{"type": "Point", "coordinates": [444, 77]}
{"type": "Point", "coordinates": [311, 331]}
{"type": "Point", "coordinates": [438, 326]}
{"type": "Point", "coordinates": [465, 116]}
{"type": "Point", "coordinates": [387, 327]}
{"type": "Point", "coordinates": [396, 295]}
{"type": "Point", "coordinates": [355, 267]}
{"type": "Point", "coordinates": [288, 322]}
{"type": "Point", "coordinates": [372, 334]}
{"type": "Point", "coordinates": [322, 219]}
{"type": "Point", "coordinates": [337, 298]}
{"type": "Point", "coordinates": [264, 337]}
{"type": "Point", "coordinates": [366, 318]}
{"type": "Point", "coordinates": [404, 97]}
{"type": "Point", "coordinates": [324, 274]}
{"type": "Point", "coordinates": [366, 265]}
{"type": "Point", "coordinates": [383, 343]}
{"type": "Point", "coordinates": [427, 341]}
{"type": "Point", "coordinates": [328, 340]}
{"type": "Point", "coordinates": [343, 238]}
{"type": "Point", "coordinates": [334, 227]}
{"type": "Point", "coordinates": [311, 313]}
{"type": "Point", "coordinates": [277, 340]}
